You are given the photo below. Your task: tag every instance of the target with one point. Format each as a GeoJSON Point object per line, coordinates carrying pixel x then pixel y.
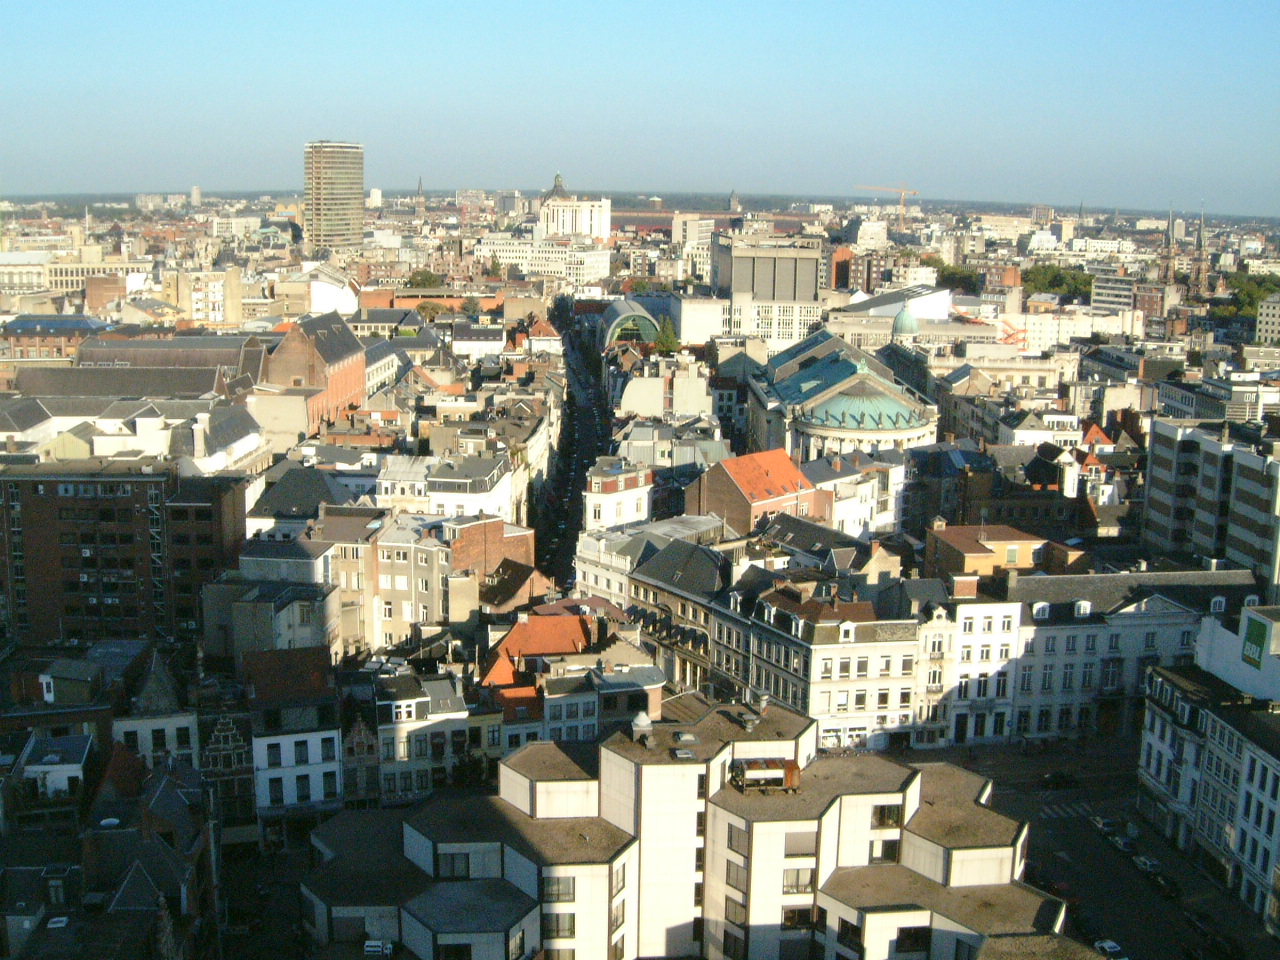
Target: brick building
{"type": "Point", "coordinates": [744, 491]}
{"type": "Point", "coordinates": [99, 548]}
{"type": "Point", "coordinates": [322, 352]}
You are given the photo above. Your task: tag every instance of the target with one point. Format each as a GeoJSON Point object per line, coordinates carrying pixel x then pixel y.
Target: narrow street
{"type": "Point", "coordinates": [584, 436]}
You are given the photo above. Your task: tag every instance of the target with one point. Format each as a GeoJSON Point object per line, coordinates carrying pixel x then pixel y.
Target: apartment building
{"type": "Point", "coordinates": [618, 492]}
{"type": "Point", "coordinates": [96, 548]}
{"type": "Point", "coordinates": [1213, 490]}
{"type": "Point", "coordinates": [333, 173]}
{"type": "Point", "coordinates": [423, 732]}
{"type": "Point", "coordinates": [722, 834]}
{"type": "Point", "coordinates": [451, 487]}
{"type": "Point", "coordinates": [293, 704]}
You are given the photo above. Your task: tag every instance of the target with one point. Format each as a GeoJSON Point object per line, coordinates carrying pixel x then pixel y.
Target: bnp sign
{"type": "Point", "coordinates": [1255, 641]}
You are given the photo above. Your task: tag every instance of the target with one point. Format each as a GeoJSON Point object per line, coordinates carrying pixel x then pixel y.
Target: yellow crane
{"type": "Point", "coordinates": [902, 193]}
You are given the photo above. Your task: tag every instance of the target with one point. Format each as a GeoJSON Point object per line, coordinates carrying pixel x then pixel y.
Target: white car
{"type": "Point", "coordinates": [1146, 864]}
{"type": "Point", "coordinates": [1110, 949]}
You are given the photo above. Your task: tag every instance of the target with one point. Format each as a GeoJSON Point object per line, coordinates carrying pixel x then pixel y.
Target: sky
{"type": "Point", "coordinates": [1111, 104]}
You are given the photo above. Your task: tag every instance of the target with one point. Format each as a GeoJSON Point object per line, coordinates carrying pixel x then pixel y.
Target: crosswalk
{"type": "Point", "coordinates": [1058, 811]}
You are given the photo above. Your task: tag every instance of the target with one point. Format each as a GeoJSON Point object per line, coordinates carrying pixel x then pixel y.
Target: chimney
{"type": "Point", "coordinates": [200, 434]}
{"type": "Point", "coordinates": [1010, 582]}
{"type": "Point", "coordinates": [964, 585]}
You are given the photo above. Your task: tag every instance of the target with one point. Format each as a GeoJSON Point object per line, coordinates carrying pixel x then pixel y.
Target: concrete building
{"type": "Point", "coordinates": [745, 491]}
{"type": "Point", "coordinates": [720, 834]}
{"type": "Point", "coordinates": [1268, 327]}
{"type": "Point", "coordinates": [333, 174]}
{"type": "Point", "coordinates": [422, 734]}
{"type": "Point", "coordinates": [564, 215]}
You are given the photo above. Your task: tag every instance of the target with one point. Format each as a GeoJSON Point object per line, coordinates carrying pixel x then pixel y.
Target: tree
{"type": "Point", "coordinates": [471, 307]}
{"type": "Point", "coordinates": [639, 286]}
{"type": "Point", "coordinates": [1046, 278]}
{"type": "Point", "coordinates": [428, 310]}
{"type": "Point", "coordinates": [954, 277]}
{"type": "Point", "coordinates": [424, 280]}
{"type": "Point", "coordinates": [667, 342]}
{"type": "Point", "coordinates": [495, 268]}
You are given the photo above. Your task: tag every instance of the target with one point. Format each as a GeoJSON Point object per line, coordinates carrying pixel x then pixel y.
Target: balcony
{"type": "Point", "coordinates": [936, 654]}
{"type": "Point", "coordinates": [933, 688]}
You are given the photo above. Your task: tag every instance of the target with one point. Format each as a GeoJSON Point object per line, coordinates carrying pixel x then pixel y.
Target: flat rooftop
{"type": "Point", "coordinates": [723, 724]}
{"type": "Point", "coordinates": [470, 817]}
{"type": "Point", "coordinates": [367, 865]}
{"type": "Point", "coordinates": [990, 909]}
{"type": "Point", "coordinates": [950, 814]}
{"type": "Point", "coordinates": [471, 906]}
{"type": "Point", "coordinates": [548, 760]}
{"type": "Point", "coordinates": [1051, 946]}
{"type": "Point", "coordinates": [821, 783]}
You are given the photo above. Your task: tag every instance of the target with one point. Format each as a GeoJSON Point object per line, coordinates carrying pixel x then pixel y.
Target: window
{"type": "Point", "coordinates": [1051, 644]}
{"type": "Point", "coordinates": [617, 916]}
{"type": "Point", "coordinates": [328, 749]}
{"type": "Point", "coordinates": [158, 741]}
{"type": "Point", "coordinates": [1046, 677]}
{"type": "Point", "coordinates": [453, 951]}
{"type": "Point", "coordinates": [273, 754]}
{"type": "Point", "coordinates": [797, 918]}
{"type": "Point", "coordinates": [617, 879]}
{"type": "Point", "coordinates": [301, 753]}
{"type": "Point", "coordinates": [884, 851]}
{"type": "Point", "coordinates": [739, 840]}
{"type": "Point", "coordinates": [558, 926]}
{"type": "Point", "coordinates": [735, 911]}
{"type": "Point", "coordinates": [455, 865]}
{"type": "Point", "coordinates": [798, 880]}
{"type": "Point", "coordinates": [887, 815]}
{"type": "Point", "coordinates": [515, 946]}
{"type": "Point", "coordinates": [558, 889]}
{"type": "Point", "coordinates": [131, 741]}
{"type": "Point", "coordinates": [330, 784]}
{"type": "Point", "coordinates": [702, 786]}
{"type": "Point", "coordinates": [735, 875]}
{"type": "Point", "coordinates": [1040, 611]}
{"type": "Point", "coordinates": [735, 946]}
{"type": "Point", "coordinates": [849, 934]}
{"type": "Point", "coordinates": [275, 791]}
{"type": "Point", "coordinates": [302, 784]}
{"type": "Point", "coordinates": [913, 940]}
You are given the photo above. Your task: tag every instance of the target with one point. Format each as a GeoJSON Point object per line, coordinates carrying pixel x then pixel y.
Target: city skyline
{"type": "Point", "coordinates": [1123, 108]}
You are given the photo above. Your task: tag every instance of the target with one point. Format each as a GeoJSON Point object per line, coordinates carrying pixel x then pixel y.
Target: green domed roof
{"type": "Point", "coordinates": [905, 323]}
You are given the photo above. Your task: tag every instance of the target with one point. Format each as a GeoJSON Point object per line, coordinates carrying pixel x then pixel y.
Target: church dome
{"type": "Point", "coordinates": [905, 323]}
{"type": "Point", "coordinates": [557, 191]}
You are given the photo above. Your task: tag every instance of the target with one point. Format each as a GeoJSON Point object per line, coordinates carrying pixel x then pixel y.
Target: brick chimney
{"type": "Point", "coordinates": [964, 585]}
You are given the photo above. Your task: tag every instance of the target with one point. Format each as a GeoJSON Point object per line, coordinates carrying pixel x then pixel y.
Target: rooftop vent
{"type": "Point", "coordinates": [680, 753]}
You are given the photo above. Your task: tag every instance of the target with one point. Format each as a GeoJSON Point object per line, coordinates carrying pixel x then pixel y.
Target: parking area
{"type": "Point", "coordinates": [1122, 881]}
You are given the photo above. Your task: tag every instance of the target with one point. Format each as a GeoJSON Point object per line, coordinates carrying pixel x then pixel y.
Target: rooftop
{"type": "Point", "coordinates": [990, 909]}
{"type": "Point", "coordinates": [721, 725]}
{"type": "Point", "coordinates": [822, 782]}
{"type": "Point", "coordinates": [556, 761]}
{"type": "Point", "coordinates": [471, 906]}
{"type": "Point", "coordinates": [366, 864]}
{"type": "Point", "coordinates": [950, 813]}
{"type": "Point", "coordinates": [461, 816]}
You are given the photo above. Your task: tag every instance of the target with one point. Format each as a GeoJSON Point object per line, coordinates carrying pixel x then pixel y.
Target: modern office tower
{"type": "Point", "coordinates": [334, 175]}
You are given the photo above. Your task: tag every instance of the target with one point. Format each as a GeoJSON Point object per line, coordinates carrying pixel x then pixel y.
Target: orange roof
{"type": "Point", "coordinates": [1094, 435]}
{"type": "Point", "coordinates": [510, 699]}
{"type": "Point", "coordinates": [542, 328]}
{"type": "Point", "coordinates": [763, 476]}
{"type": "Point", "coordinates": [536, 637]}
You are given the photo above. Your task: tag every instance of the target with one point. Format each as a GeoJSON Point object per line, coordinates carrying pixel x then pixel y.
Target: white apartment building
{"type": "Point", "coordinates": [461, 486]}
{"type": "Point", "coordinates": [563, 216]}
{"type": "Point", "coordinates": [868, 492]}
{"type": "Point", "coordinates": [618, 493]}
{"type": "Point", "coordinates": [422, 734]}
{"type": "Point", "coordinates": [723, 834]}
{"type": "Point", "coordinates": [576, 261]}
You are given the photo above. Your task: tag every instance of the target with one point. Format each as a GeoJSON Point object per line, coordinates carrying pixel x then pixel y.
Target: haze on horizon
{"type": "Point", "coordinates": [1133, 105]}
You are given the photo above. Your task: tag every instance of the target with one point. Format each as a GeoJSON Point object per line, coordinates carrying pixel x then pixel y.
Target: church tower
{"type": "Point", "coordinates": [1200, 264]}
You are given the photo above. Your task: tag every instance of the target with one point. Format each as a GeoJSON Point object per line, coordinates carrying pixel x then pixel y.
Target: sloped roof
{"type": "Point", "coordinates": [159, 693]}
{"type": "Point", "coordinates": [118, 381]}
{"type": "Point", "coordinates": [686, 567]}
{"type": "Point", "coordinates": [536, 637]}
{"type": "Point", "coordinates": [279, 677]}
{"type": "Point", "coordinates": [333, 339]}
{"type": "Point", "coordinates": [765, 475]}
{"type": "Point", "coordinates": [299, 493]}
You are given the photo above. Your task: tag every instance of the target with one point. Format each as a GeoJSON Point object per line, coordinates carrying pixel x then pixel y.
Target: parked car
{"type": "Point", "coordinates": [1201, 921]}
{"type": "Point", "coordinates": [1167, 887]}
{"type": "Point", "coordinates": [1110, 949]}
{"type": "Point", "coordinates": [1060, 780]}
{"type": "Point", "coordinates": [1104, 825]}
{"type": "Point", "coordinates": [1147, 864]}
{"type": "Point", "coordinates": [1123, 844]}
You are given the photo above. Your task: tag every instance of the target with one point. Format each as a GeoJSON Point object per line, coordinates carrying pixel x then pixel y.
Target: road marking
{"type": "Point", "coordinates": [1062, 810]}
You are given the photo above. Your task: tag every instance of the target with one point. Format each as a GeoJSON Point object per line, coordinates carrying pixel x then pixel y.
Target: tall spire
{"type": "Point", "coordinates": [1200, 233]}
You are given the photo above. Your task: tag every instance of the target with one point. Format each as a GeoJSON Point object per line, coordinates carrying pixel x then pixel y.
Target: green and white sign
{"type": "Point", "coordinates": [1255, 641]}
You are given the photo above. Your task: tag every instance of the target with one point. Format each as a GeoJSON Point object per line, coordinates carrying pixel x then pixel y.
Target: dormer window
{"type": "Point", "coordinates": [1218, 605]}
{"type": "Point", "coordinates": [1083, 607]}
{"type": "Point", "coordinates": [1040, 611]}
{"type": "Point", "coordinates": [1251, 600]}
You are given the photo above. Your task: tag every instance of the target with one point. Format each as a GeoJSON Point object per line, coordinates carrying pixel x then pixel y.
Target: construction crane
{"type": "Point", "coordinates": [902, 193]}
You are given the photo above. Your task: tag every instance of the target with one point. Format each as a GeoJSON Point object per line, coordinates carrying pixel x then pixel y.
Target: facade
{"type": "Point", "coordinates": [745, 491]}
{"type": "Point", "coordinates": [564, 215]}
{"type": "Point", "coordinates": [322, 352]}
{"type": "Point", "coordinates": [1195, 470]}
{"type": "Point", "coordinates": [618, 492]}
{"type": "Point", "coordinates": [296, 733]}
{"type": "Point", "coordinates": [333, 174]}
{"type": "Point", "coordinates": [723, 834]}
{"type": "Point", "coordinates": [99, 548]}
{"type": "Point", "coordinates": [422, 734]}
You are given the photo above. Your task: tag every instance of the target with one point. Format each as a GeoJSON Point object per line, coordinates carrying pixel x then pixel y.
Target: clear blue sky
{"type": "Point", "coordinates": [1131, 104]}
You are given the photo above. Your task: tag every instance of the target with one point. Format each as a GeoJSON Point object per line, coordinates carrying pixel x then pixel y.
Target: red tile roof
{"type": "Point", "coordinates": [763, 476]}
{"type": "Point", "coordinates": [535, 637]}
{"type": "Point", "coordinates": [288, 676]}
{"type": "Point", "coordinates": [510, 699]}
